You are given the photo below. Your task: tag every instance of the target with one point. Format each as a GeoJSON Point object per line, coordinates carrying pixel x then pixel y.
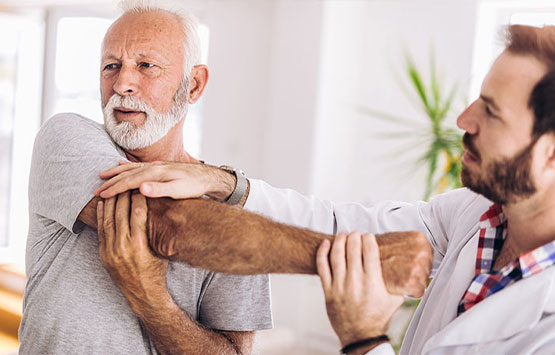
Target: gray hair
{"type": "Point", "coordinates": [188, 22]}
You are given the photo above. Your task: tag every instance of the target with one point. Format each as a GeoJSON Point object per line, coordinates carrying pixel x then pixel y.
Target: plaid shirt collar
{"type": "Point", "coordinates": [492, 233]}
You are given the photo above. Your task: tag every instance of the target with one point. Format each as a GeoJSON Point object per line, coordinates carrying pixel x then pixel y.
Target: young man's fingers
{"type": "Point", "coordinates": [354, 253]}
{"type": "Point", "coordinates": [337, 258]}
{"type": "Point", "coordinates": [112, 181]}
{"type": "Point", "coordinates": [129, 180]}
{"type": "Point", "coordinates": [117, 184]}
{"type": "Point", "coordinates": [323, 264]}
{"type": "Point", "coordinates": [371, 256]}
{"type": "Point", "coordinates": [122, 166]}
{"type": "Point", "coordinates": [173, 188]}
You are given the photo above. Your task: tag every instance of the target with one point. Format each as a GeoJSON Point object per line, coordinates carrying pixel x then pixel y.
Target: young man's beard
{"type": "Point", "coordinates": [504, 181]}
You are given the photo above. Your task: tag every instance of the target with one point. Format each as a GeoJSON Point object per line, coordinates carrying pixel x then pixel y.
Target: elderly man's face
{"type": "Point", "coordinates": [499, 157]}
{"type": "Point", "coordinates": [142, 70]}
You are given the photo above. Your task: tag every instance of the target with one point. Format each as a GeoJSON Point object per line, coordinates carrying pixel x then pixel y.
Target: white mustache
{"type": "Point", "coordinates": [129, 103]}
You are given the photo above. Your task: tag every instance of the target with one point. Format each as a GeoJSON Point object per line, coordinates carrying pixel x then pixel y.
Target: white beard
{"type": "Point", "coordinates": [156, 125]}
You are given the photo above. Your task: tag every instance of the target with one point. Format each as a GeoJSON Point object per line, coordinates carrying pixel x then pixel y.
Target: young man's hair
{"type": "Point", "coordinates": [538, 42]}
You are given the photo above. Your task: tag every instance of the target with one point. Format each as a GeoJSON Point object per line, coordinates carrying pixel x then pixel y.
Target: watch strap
{"type": "Point", "coordinates": [240, 185]}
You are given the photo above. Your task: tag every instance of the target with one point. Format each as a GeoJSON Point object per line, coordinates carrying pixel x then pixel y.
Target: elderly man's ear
{"type": "Point", "coordinates": [197, 83]}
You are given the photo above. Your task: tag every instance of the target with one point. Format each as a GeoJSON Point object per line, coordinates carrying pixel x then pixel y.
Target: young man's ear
{"type": "Point", "coordinates": [197, 82]}
{"type": "Point", "coordinates": [546, 152]}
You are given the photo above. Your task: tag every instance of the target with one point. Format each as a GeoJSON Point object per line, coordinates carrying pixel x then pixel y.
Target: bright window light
{"type": "Point", "coordinates": [77, 65]}
{"type": "Point", "coordinates": [538, 19]}
{"type": "Point", "coordinates": [20, 87]}
{"type": "Point", "coordinates": [492, 16]}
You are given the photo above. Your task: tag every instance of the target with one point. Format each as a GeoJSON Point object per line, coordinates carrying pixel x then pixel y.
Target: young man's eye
{"type": "Point", "coordinates": [488, 111]}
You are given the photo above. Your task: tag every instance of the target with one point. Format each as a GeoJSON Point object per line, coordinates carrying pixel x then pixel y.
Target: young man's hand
{"type": "Point", "coordinates": [358, 303]}
{"type": "Point", "coordinates": [167, 179]}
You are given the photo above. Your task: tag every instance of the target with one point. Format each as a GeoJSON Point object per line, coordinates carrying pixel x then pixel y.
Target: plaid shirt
{"type": "Point", "coordinates": [493, 230]}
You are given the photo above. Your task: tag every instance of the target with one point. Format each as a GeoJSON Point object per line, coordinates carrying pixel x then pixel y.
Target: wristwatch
{"type": "Point", "coordinates": [240, 185]}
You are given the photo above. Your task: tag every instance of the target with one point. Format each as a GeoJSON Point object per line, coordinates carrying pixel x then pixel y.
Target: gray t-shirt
{"type": "Point", "coordinates": [71, 304]}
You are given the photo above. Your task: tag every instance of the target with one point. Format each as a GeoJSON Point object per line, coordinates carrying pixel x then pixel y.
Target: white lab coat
{"type": "Point", "coordinates": [519, 319]}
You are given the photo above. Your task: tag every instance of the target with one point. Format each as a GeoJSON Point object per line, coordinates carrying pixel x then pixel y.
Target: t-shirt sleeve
{"type": "Point", "coordinates": [237, 303]}
{"type": "Point", "coordinates": [69, 153]}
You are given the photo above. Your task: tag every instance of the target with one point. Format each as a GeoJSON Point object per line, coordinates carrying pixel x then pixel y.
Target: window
{"type": "Point", "coordinates": [492, 16]}
{"type": "Point", "coordinates": [20, 87]}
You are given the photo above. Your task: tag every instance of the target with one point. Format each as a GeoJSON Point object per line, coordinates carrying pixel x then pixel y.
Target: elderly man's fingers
{"type": "Point", "coordinates": [108, 224]}
{"type": "Point", "coordinates": [139, 212]}
{"type": "Point", "coordinates": [323, 265]}
{"type": "Point", "coordinates": [100, 225]}
{"type": "Point", "coordinates": [354, 254]}
{"type": "Point", "coordinates": [338, 261]}
{"type": "Point", "coordinates": [123, 206]}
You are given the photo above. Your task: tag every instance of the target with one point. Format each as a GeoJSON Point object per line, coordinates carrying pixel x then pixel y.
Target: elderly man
{"type": "Point", "coordinates": [493, 288]}
{"type": "Point", "coordinates": [149, 76]}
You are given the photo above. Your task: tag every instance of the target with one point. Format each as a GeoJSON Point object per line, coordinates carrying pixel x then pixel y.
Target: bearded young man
{"type": "Point", "coordinates": [150, 74]}
{"type": "Point", "coordinates": [493, 287]}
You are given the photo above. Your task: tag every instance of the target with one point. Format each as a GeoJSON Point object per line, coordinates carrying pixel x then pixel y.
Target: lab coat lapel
{"type": "Point", "coordinates": [501, 315]}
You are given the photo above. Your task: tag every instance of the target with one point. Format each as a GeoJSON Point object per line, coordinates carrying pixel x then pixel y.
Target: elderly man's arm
{"type": "Point", "coordinates": [141, 276]}
{"type": "Point", "coordinates": [219, 237]}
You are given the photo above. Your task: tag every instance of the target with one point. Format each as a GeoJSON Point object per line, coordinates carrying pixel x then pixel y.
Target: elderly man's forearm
{"type": "Point", "coordinates": [219, 237]}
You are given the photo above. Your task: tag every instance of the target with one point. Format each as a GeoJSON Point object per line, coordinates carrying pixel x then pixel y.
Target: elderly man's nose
{"type": "Point", "coordinates": [127, 82]}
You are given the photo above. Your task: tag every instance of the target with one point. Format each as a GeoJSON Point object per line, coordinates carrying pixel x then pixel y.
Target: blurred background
{"type": "Point", "coordinates": [315, 95]}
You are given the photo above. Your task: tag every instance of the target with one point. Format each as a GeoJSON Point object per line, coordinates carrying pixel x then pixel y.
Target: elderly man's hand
{"type": "Point", "coordinates": [406, 262]}
{"type": "Point", "coordinates": [125, 252]}
{"type": "Point", "coordinates": [167, 179]}
{"type": "Point", "coordinates": [358, 303]}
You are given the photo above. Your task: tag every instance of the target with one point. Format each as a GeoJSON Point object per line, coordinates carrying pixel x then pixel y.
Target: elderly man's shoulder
{"type": "Point", "coordinates": [65, 127]}
{"type": "Point", "coordinates": [69, 120]}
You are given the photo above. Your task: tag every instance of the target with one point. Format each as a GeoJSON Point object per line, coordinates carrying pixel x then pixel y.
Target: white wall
{"type": "Point", "coordinates": [263, 60]}
{"type": "Point", "coordinates": [363, 56]}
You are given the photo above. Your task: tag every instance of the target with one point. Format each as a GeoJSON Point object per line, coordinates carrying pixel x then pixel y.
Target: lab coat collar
{"type": "Point", "coordinates": [501, 315]}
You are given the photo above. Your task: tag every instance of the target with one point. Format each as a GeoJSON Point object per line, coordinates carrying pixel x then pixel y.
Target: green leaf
{"type": "Point", "coordinates": [416, 80]}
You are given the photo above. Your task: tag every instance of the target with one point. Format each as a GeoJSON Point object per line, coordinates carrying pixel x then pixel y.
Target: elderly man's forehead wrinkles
{"type": "Point", "coordinates": [140, 49]}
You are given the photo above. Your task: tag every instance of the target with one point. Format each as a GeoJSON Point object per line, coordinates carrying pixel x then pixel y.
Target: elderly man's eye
{"type": "Point", "coordinates": [146, 65]}
{"type": "Point", "coordinates": [110, 67]}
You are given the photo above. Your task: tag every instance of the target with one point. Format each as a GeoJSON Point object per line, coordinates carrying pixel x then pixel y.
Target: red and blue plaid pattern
{"type": "Point", "coordinates": [493, 230]}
